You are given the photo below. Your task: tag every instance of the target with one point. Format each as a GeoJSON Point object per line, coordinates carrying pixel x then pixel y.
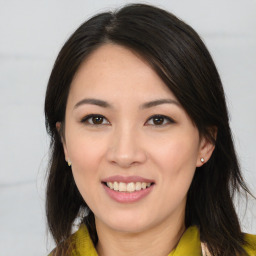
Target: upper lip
{"type": "Point", "coordinates": [127, 179]}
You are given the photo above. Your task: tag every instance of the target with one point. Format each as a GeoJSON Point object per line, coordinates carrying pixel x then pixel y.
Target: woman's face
{"type": "Point", "coordinates": [133, 148]}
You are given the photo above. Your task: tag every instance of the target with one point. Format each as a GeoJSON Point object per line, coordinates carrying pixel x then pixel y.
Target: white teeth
{"type": "Point", "coordinates": [116, 186]}
{"type": "Point", "coordinates": [138, 186]}
{"type": "Point", "coordinates": [128, 187]}
{"type": "Point", "coordinates": [122, 187]}
{"type": "Point", "coordinates": [110, 185]}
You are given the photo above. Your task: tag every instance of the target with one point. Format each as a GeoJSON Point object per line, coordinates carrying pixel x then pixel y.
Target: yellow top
{"type": "Point", "coordinates": [80, 244]}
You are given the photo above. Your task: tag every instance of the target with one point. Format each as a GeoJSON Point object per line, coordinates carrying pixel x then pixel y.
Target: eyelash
{"type": "Point", "coordinates": [87, 118]}
{"type": "Point", "coordinates": [167, 120]}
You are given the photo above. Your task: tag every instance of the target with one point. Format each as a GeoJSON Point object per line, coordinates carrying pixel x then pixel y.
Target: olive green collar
{"type": "Point", "coordinates": [189, 243]}
{"type": "Point", "coordinates": [80, 244]}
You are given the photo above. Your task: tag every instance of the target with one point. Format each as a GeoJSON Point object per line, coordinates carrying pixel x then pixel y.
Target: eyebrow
{"type": "Point", "coordinates": [154, 103]}
{"type": "Point", "coordinates": [96, 102]}
{"type": "Point", "coordinates": [104, 104]}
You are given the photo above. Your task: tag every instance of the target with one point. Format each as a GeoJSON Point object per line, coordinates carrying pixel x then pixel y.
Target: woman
{"type": "Point", "coordinates": [142, 153]}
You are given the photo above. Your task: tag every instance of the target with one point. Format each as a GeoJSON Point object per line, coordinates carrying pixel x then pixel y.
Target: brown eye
{"type": "Point", "coordinates": [95, 120]}
{"type": "Point", "coordinates": [159, 120]}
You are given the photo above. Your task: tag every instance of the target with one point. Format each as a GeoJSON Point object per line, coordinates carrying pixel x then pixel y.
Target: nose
{"type": "Point", "coordinates": [126, 149]}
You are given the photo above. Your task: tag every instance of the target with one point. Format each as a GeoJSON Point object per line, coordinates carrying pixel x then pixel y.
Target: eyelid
{"type": "Point", "coordinates": [169, 119]}
{"type": "Point", "coordinates": [87, 117]}
{"type": "Point", "coordinates": [166, 118]}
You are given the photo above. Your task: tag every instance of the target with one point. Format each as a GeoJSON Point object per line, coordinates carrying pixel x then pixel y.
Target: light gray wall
{"type": "Point", "coordinates": [31, 34]}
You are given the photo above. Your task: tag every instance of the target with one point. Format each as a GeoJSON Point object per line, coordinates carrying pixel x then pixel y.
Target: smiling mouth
{"type": "Point", "coordinates": [128, 187]}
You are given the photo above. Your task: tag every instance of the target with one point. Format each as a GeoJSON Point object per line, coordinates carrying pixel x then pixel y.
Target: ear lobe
{"type": "Point", "coordinates": [58, 127]}
{"type": "Point", "coordinates": [205, 151]}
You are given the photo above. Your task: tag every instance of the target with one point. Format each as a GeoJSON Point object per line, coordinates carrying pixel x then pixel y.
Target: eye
{"type": "Point", "coordinates": [94, 119]}
{"type": "Point", "coordinates": [159, 120]}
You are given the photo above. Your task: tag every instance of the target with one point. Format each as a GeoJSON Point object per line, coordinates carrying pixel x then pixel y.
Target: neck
{"type": "Point", "coordinates": [157, 241]}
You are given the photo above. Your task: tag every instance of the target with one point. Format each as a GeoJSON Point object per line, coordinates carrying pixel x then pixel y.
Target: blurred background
{"type": "Point", "coordinates": [31, 35]}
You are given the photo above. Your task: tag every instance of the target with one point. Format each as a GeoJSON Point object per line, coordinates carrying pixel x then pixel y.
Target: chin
{"type": "Point", "coordinates": [131, 228]}
{"type": "Point", "coordinates": [129, 223]}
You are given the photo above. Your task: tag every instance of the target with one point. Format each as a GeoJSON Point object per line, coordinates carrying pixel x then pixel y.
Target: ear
{"type": "Point", "coordinates": [205, 151]}
{"type": "Point", "coordinates": [58, 127]}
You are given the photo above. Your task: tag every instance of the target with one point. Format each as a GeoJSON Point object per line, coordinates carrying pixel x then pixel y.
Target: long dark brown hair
{"type": "Point", "coordinates": [178, 55]}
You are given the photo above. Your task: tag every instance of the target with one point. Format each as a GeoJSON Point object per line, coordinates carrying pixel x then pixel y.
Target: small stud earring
{"type": "Point", "coordinates": [69, 163]}
{"type": "Point", "coordinates": [202, 160]}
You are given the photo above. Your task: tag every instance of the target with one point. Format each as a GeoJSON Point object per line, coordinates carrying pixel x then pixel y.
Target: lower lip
{"type": "Point", "coordinates": [128, 197]}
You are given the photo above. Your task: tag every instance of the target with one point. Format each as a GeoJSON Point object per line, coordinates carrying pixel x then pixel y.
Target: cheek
{"type": "Point", "coordinates": [86, 155]}
{"type": "Point", "coordinates": [177, 164]}
{"type": "Point", "coordinates": [85, 152]}
{"type": "Point", "coordinates": [174, 154]}
{"type": "Point", "coordinates": [176, 160]}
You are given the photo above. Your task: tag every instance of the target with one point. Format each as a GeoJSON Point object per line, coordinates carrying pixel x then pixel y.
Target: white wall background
{"type": "Point", "coordinates": [31, 34]}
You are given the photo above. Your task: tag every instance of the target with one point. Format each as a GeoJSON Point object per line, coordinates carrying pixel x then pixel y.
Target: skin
{"type": "Point", "coordinates": [129, 142]}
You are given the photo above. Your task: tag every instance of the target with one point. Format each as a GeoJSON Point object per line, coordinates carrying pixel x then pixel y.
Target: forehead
{"type": "Point", "coordinates": [114, 68]}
